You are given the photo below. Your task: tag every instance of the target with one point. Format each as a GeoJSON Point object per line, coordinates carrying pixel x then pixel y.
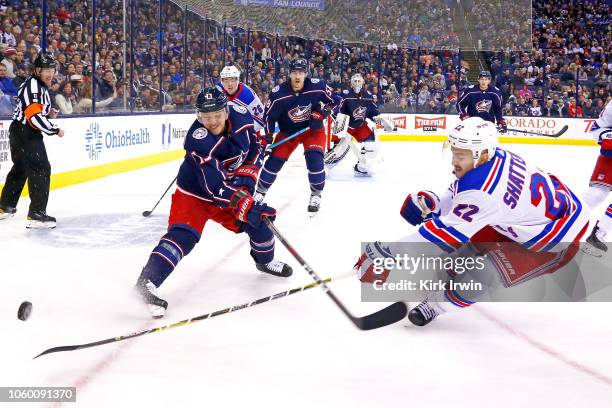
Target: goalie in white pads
{"type": "Point", "coordinates": [351, 122]}
{"type": "Point", "coordinates": [601, 183]}
{"type": "Point", "coordinates": [497, 198]}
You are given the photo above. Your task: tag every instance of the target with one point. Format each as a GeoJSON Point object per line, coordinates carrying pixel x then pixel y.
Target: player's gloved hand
{"type": "Point", "coordinates": [246, 209]}
{"type": "Point", "coordinates": [463, 116]}
{"type": "Point", "coordinates": [387, 126]}
{"type": "Point", "coordinates": [502, 126]}
{"type": "Point", "coordinates": [246, 176]}
{"type": "Point", "coordinates": [374, 264]}
{"type": "Point", "coordinates": [420, 206]}
{"type": "Point", "coordinates": [316, 120]}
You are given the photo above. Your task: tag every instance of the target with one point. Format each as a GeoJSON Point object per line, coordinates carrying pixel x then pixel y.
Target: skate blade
{"type": "Point", "coordinates": [157, 312]}
{"type": "Point", "coordinates": [592, 251]}
{"type": "Point", "coordinates": [40, 225]}
{"type": "Point", "coordinates": [312, 214]}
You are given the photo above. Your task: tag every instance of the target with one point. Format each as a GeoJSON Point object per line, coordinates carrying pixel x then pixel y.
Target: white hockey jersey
{"type": "Point", "coordinates": [602, 128]}
{"type": "Point", "coordinates": [247, 98]}
{"type": "Point", "coordinates": [517, 199]}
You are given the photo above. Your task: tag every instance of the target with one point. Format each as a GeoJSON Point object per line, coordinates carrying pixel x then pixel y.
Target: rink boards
{"type": "Point", "coordinates": [98, 146]}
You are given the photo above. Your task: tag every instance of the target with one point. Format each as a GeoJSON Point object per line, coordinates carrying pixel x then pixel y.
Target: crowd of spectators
{"type": "Point", "coordinates": [565, 74]}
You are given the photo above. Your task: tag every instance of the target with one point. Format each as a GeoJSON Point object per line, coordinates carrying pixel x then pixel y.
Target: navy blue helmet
{"type": "Point", "coordinates": [211, 99]}
{"type": "Point", "coordinates": [298, 64]}
{"type": "Point", "coordinates": [484, 74]}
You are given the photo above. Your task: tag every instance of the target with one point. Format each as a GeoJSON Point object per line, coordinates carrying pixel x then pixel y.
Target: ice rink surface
{"type": "Point", "coordinates": [298, 351]}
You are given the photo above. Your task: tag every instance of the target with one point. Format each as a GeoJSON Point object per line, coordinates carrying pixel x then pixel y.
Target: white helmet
{"type": "Point", "coordinates": [230, 71]}
{"type": "Point", "coordinates": [357, 82]}
{"type": "Point", "coordinates": [474, 134]}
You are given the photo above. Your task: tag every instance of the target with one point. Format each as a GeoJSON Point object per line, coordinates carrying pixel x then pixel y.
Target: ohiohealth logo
{"type": "Point", "coordinates": [170, 132]}
{"type": "Point", "coordinates": [96, 139]}
{"type": "Point", "coordinates": [93, 141]}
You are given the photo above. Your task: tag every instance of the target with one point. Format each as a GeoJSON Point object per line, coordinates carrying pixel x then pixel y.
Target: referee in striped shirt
{"type": "Point", "coordinates": [28, 153]}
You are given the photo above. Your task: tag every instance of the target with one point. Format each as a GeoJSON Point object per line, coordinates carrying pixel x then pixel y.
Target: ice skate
{"type": "Point", "coordinates": [40, 220]}
{"type": "Point", "coordinates": [148, 293]}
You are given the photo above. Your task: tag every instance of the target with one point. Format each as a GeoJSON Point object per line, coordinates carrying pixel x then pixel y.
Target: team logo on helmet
{"type": "Point", "coordinates": [200, 133]}
{"type": "Point", "coordinates": [360, 113]}
{"type": "Point", "coordinates": [300, 113]}
{"type": "Point", "coordinates": [484, 105]}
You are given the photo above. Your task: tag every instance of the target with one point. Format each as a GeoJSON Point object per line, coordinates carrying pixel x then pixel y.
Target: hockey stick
{"type": "Point", "coordinates": [296, 134]}
{"type": "Point", "coordinates": [559, 133]}
{"type": "Point", "coordinates": [389, 315]}
{"type": "Point", "coordinates": [197, 318]}
{"type": "Point", "coordinates": [148, 213]}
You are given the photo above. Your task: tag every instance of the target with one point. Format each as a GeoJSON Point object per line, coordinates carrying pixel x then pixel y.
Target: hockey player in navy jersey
{"type": "Point", "coordinates": [498, 198]}
{"type": "Point", "coordinates": [484, 101]}
{"type": "Point", "coordinates": [215, 182]}
{"type": "Point", "coordinates": [298, 104]}
{"type": "Point", "coordinates": [356, 107]}
{"type": "Point", "coordinates": [240, 94]}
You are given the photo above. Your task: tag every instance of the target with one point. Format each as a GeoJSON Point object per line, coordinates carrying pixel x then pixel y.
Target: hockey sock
{"type": "Point", "coordinates": [595, 195]}
{"type": "Point", "coordinates": [269, 172]}
{"type": "Point", "coordinates": [316, 170]}
{"type": "Point", "coordinates": [262, 243]}
{"type": "Point", "coordinates": [172, 247]}
{"type": "Point", "coordinates": [605, 223]}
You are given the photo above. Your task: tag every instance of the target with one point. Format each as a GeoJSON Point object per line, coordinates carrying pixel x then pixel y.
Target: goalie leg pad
{"type": "Point", "coordinates": [316, 170]}
{"type": "Point", "coordinates": [173, 246]}
{"type": "Point", "coordinates": [335, 155]}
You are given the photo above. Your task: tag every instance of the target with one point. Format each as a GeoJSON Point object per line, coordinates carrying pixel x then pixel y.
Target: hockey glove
{"type": "Point", "coordinates": [420, 206]}
{"type": "Point", "coordinates": [316, 120]}
{"type": "Point", "coordinates": [502, 126]}
{"type": "Point", "coordinates": [387, 126]}
{"type": "Point", "coordinates": [374, 264]}
{"type": "Point", "coordinates": [246, 176]}
{"type": "Point", "coordinates": [246, 209]}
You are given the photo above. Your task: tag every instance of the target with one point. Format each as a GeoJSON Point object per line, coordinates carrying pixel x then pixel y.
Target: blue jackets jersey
{"type": "Point", "coordinates": [358, 107]}
{"type": "Point", "coordinates": [247, 98]}
{"type": "Point", "coordinates": [292, 110]}
{"type": "Point", "coordinates": [484, 104]}
{"type": "Point", "coordinates": [211, 161]}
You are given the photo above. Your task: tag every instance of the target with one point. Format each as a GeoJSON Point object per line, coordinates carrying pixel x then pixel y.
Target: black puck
{"type": "Point", "coordinates": [24, 311]}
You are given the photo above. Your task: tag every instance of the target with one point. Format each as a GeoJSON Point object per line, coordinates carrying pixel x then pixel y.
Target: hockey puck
{"type": "Point", "coordinates": [24, 311]}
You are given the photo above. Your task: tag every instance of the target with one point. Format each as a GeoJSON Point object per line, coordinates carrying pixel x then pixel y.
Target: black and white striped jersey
{"type": "Point", "coordinates": [33, 106]}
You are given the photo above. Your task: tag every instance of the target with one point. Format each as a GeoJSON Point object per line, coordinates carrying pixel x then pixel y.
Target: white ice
{"type": "Point", "coordinates": [299, 351]}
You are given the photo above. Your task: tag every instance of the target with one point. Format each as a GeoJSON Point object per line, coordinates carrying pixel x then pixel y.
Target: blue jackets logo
{"type": "Point", "coordinates": [96, 139]}
{"type": "Point", "coordinates": [484, 105]}
{"type": "Point", "coordinates": [300, 113]}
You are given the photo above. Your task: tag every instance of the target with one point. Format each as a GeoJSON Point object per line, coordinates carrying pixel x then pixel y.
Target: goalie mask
{"type": "Point", "coordinates": [357, 83]}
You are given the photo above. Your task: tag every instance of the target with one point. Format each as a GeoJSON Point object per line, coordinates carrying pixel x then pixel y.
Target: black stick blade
{"type": "Point", "coordinates": [57, 350]}
{"type": "Point", "coordinates": [146, 213]}
{"type": "Point", "coordinates": [384, 317]}
{"type": "Point", "coordinates": [562, 131]}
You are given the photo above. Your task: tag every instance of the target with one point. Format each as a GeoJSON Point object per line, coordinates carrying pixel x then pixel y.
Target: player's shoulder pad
{"type": "Point", "coordinates": [276, 89]}
{"type": "Point", "coordinates": [198, 139]}
{"type": "Point", "coordinates": [315, 80]}
{"type": "Point", "coordinates": [240, 118]}
{"type": "Point", "coordinates": [470, 87]}
{"type": "Point", "coordinates": [345, 92]}
{"type": "Point", "coordinates": [475, 179]}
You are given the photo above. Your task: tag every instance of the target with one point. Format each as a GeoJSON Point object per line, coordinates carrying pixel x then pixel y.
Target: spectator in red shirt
{"type": "Point", "coordinates": [574, 111]}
